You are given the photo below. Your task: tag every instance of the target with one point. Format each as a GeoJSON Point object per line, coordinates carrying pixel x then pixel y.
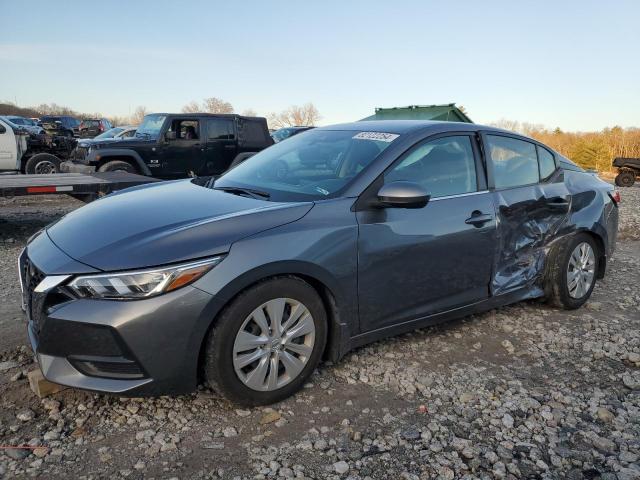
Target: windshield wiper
{"type": "Point", "coordinates": [244, 191]}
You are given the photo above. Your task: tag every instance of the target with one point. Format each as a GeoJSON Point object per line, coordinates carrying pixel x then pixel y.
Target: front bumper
{"type": "Point", "coordinates": [72, 167]}
{"type": "Point", "coordinates": [132, 348]}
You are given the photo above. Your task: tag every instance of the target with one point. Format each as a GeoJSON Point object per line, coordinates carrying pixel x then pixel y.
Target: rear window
{"type": "Point", "coordinates": [90, 123]}
{"type": "Point", "coordinates": [514, 161]}
{"type": "Point", "coordinates": [254, 134]}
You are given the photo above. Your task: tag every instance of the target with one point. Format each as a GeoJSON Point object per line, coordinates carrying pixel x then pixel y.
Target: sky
{"type": "Point", "coordinates": [572, 64]}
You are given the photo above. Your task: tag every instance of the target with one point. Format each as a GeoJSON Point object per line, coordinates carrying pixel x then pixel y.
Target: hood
{"type": "Point", "coordinates": [85, 142]}
{"type": "Point", "coordinates": [164, 223]}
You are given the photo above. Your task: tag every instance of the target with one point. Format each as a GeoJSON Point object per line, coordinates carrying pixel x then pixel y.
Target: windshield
{"type": "Point", "coordinates": [150, 127]}
{"type": "Point", "coordinates": [310, 166]}
{"type": "Point", "coordinates": [110, 133]}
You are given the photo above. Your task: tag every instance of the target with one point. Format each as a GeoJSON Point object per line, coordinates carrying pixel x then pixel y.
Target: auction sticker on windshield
{"type": "Point", "coordinates": [378, 136]}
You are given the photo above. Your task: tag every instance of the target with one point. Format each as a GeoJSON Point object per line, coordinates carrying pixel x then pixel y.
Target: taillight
{"type": "Point", "coordinates": [615, 196]}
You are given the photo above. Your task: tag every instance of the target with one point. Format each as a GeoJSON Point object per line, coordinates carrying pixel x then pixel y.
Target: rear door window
{"type": "Point", "coordinates": [220, 129]}
{"type": "Point", "coordinates": [514, 161]}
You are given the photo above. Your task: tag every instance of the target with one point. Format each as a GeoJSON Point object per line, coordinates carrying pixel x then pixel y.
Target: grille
{"type": "Point", "coordinates": [32, 277]}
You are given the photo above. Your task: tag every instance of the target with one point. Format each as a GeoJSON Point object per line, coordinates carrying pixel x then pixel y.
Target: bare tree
{"type": "Point", "coordinates": [216, 105]}
{"type": "Point", "coordinates": [138, 115]}
{"type": "Point", "coordinates": [296, 115]}
{"type": "Point", "coordinates": [191, 107]}
{"type": "Point", "coordinates": [250, 112]}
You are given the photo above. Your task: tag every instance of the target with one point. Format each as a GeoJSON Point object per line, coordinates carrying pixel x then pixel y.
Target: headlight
{"type": "Point", "coordinates": [141, 283]}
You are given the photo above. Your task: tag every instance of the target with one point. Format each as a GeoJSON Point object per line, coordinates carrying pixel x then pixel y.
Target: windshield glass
{"type": "Point", "coordinates": [110, 133]}
{"type": "Point", "coordinates": [310, 166]}
{"type": "Point", "coordinates": [150, 127]}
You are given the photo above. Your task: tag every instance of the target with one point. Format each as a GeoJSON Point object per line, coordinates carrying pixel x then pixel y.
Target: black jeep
{"type": "Point", "coordinates": [628, 170]}
{"type": "Point", "coordinates": [168, 145]}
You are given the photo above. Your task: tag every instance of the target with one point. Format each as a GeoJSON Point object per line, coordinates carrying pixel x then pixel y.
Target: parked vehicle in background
{"type": "Point", "coordinates": [628, 170]}
{"type": "Point", "coordinates": [169, 145]}
{"type": "Point", "coordinates": [26, 123]}
{"type": "Point", "coordinates": [69, 126]}
{"type": "Point", "coordinates": [320, 244]}
{"type": "Point", "coordinates": [13, 145]}
{"type": "Point", "coordinates": [26, 152]}
{"type": "Point", "coordinates": [90, 128]}
{"type": "Point", "coordinates": [286, 132]}
{"type": "Point", "coordinates": [113, 134]}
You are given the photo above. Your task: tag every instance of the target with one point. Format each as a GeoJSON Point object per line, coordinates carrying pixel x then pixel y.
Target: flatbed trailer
{"type": "Point", "coordinates": [76, 184]}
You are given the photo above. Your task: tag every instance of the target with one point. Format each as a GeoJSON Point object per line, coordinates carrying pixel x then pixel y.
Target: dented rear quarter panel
{"type": "Point", "coordinates": [523, 246]}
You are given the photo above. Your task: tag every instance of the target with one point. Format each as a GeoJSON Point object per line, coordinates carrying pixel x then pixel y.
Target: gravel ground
{"type": "Point", "coordinates": [525, 391]}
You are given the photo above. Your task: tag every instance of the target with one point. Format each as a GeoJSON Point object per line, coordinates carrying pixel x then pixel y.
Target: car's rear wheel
{"type": "Point", "coordinates": [571, 271]}
{"type": "Point", "coordinates": [42, 164]}
{"type": "Point", "coordinates": [625, 178]}
{"type": "Point", "coordinates": [117, 166]}
{"type": "Point", "coordinates": [267, 342]}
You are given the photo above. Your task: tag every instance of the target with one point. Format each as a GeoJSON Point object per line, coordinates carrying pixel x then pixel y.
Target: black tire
{"type": "Point", "coordinates": [241, 157]}
{"type": "Point", "coordinates": [42, 164]}
{"type": "Point", "coordinates": [218, 365]}
{"type": "Point", "coordinates": [556, 283]}
{"type": "Point", "coordinates": [118, 166]}
{"type": "Point", "coordinates": [625, 178]}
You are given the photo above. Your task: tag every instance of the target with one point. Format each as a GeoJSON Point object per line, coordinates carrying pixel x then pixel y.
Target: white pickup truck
{"type": "Point", "coordinates": [13, 145]}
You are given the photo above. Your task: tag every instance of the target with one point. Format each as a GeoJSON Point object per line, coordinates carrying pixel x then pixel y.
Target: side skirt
{"type": "Point", "coordinates": [478, 307]}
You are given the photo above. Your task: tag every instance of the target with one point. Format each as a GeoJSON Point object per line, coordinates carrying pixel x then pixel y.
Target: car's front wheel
{"type": "Point", "coordinates": [267, 342]}
{"type": "Point", "coordinates": [571, 271]}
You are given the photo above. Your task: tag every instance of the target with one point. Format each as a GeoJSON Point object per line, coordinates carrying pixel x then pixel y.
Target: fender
{"type": "Point", "coordinates": [339, 338]}
{"type": "Point", "coordinates": [119, 152]}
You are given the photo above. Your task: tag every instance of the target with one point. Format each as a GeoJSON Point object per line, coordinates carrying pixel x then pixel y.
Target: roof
{"type": "Point", "coordinates": [447, 112]}
{"type": "Point", "coordinates": [202, 114]}
{"type": "Point", "coordinates": [388, 126]}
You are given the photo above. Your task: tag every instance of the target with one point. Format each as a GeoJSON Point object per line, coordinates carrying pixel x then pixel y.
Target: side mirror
{"type": "Point", "coordinates": [402, 194]}
{"type": "Point", "coordinates": [170, 136]}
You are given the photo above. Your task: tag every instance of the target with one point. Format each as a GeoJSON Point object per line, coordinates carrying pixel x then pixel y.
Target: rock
{"type": "Point", "coordinates": [243, 413]}
{"type": "Point", "coordinates": [605, 415]}
{"type": "Point", "coordinates": [8, 365]}
{"type": "Point", "coordinates": [603, 444]}
{"type": "Point", "coordinates": [17, 376]}
{"type": "Point", "coordinates": [17, 453]}
{"type": "Point", "coordinates": [26, 415]}
{"type": "Point", "coordinates": [40, 452]}
{"type": "Point", "coordinates": [230, 432]}
{"type": "Point", "coordinates": [270, 417]}
{"type": "Point", "coordinates": [341, 467]}
{"type": "Point", "coordinates": [631, 381]}
{"type": "Point", "coordinates": [508, 346]}
{"type": "Point", "coordinates": [213, 445]}
{"type": "Point", "coordinates": [507, 420]}
{"type": "Point", "coordinates": [411, 434]}
{"type": "Point", "coordinates": [140, 465]}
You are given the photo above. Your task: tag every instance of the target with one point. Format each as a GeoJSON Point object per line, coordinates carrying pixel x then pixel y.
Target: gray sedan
{"type": "Point", "coordinates": [338, 237]}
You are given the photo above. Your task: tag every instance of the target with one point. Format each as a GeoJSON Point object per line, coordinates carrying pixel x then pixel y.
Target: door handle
{"type": "Point", "coordinates": [477, 218]}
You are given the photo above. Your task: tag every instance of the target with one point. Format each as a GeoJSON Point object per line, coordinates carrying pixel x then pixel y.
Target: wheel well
{"type": "Point", "coordinates": [602, 256]}
{"type": "Point", "coordinates": [129, 160]}
{"type": "Point", "coordinates": [328, 300]}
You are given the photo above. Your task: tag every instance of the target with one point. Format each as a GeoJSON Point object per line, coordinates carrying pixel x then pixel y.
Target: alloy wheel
{"type": "Point", "coordinates": [581, 270]}
{"type": "Point", "coordinates": [274, 344]}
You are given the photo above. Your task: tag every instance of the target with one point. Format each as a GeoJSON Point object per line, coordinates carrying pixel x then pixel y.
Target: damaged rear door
{"type": "Point", "coordinates": [532, 207]}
